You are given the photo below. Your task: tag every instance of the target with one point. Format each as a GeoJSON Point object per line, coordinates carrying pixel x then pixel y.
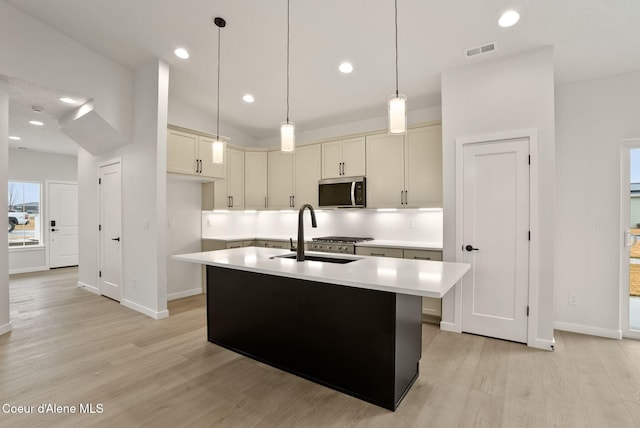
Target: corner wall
{"type": "Point", "coordinates": [505, 94]}
{"type": "Point", "coordinates": [593, 117]}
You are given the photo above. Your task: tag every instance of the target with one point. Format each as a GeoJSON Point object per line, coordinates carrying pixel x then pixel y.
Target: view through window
{"type": "Point", "coordinates": [24, 213]}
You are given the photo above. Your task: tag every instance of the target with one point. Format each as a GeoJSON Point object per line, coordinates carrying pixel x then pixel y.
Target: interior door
{"type": "Point", "coordinates": [496, 239]}
{"type": "Point", "coordinates": [110, 231]}
{"type": "Point", "coordinates": [62, 202]}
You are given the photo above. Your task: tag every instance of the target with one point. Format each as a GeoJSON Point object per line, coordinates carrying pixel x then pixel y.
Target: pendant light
{"type": "Point", "coordinates": [218, 144]}
{"type": "Point", "coordinates": [287, 129]}
{"type": "Point", "coordinates": [397, 102]}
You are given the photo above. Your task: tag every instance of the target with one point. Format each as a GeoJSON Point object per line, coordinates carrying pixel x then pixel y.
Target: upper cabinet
{"type": "Point", "coordinates": [405, 171]}
{"type": "Point", "coordinates": [192, 154]}
{"type": "Point", "coordinates": [306, 173]}
{"type": "Point", "coordinates": [229, 193]}
{"type": "Point", "coordinates": [293, 177]}
{"type": "Point", "coordinates": [255, 180]}
{"type": "Point", "coordinates": [280, 180]}
{"type": "Point", "coordinates": [344, 158]}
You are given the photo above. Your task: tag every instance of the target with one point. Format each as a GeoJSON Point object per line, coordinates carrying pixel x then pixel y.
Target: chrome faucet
{"type": "Point", "coordinates": [300, 249]}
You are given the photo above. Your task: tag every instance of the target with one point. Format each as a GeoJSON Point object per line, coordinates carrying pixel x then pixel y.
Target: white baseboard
{"type": "Point", "coordinates": [143, 309]}
{"type": "Point", "coordinates": [186, 293]}
{"type": "Point", "coordinates": [88, 287]}
{"type": "Point", "coordinates": [6, 328]}
{"type": "Point", "coordinates": [28, 270]}
{"type": "Point", "coordinates": [449, 326]}
{"type": "Point", "coordinates": [587, 329]}
{"type": "Point", "coordinates": [547, 345]}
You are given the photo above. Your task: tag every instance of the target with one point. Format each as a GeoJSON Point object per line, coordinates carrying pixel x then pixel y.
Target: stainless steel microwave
{"type": "Point", "coordinates": [343, 192]}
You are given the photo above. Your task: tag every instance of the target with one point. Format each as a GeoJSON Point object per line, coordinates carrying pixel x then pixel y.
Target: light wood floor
{"type": "Point", "coordinates": [69, 346]}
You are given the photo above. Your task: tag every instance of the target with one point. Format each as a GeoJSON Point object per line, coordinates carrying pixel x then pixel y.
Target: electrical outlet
{"type": "Point", "coordinates": [145, 224]}
{"type": "Point", "coordinates": [601, 225]}
{"type": "Point", "coordinates": [172, 223]}
{"type": "Point", "coordinates": [573, 299]}
{"type": "Point", "coordinates": [412, 224]}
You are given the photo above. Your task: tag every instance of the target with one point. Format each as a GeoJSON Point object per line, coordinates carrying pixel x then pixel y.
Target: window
{"type": "Point", "coordinates": [25, 223]}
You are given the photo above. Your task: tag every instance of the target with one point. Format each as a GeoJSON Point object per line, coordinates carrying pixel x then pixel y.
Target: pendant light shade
{"type": "Point", "coordinates": [397, 114]}
{"type": "Point", "coordinates": [287, 137]}
{"type": "Point", "coordinates": [397, 102]}
{"type": "Point", "coordinates": [218, 152]}
{"type": "Point", "coordinates": [218, 144]}
{"type": "Point", "coordinates": [287, 128]}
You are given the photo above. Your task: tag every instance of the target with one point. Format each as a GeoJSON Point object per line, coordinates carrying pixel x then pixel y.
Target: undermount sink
{"type": "Point", "coordinates": [314, 258]}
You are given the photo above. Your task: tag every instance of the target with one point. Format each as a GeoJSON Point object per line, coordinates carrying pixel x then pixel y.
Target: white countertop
{"type": "Point", "coordinates": [403, 276]}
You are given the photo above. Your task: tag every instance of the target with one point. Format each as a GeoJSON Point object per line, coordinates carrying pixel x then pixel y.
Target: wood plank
{"type": "Point", "coordinates": [69, 346]}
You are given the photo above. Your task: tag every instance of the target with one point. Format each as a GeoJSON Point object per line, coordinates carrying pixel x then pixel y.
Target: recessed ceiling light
{"type": "Point", "coordinates": [15, 138]}
{"type": "Point", "coordinates": [181, 53]}
{"type": "Point", "coordinates": [346, 67]}
{"type": "Point", "coordinates": [509, 18]}
{"type": "Point", "coordinates": [248, 98]}
{"type": "Point", "coordinates": [68, 100]}
{"type": "Point", "coordinates": [36, 122]}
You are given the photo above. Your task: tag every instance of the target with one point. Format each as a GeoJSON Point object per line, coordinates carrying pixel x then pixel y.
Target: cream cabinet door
{"type": "Point", "coordinates": [423, 167]}
{"type": "Point", "coordinates": [255, 180]}
{"type": "Point", "coordinates": [353, 157]}
{"type": "Point", "coordinates": [182, 149]}
{"type": "Point", "coordinates": [306, 175]}
{"type": "Point", "coordinates": [205, 155]}
{"type": "Point", "coordinates": [235, 178]}
{"type": "Point", "coordinates": [332, 159]}
{"type": "Point", "coordinates": [280, 180]}
{"type": "Point", "coordinates": [385, 171]}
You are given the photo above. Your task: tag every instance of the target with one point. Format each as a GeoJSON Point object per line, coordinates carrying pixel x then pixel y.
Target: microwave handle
{"type": "Point", "coordinates": [353, 193]}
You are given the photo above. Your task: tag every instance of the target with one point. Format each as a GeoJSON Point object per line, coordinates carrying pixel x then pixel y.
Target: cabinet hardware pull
{"type": "Point", "coordinates": [232, 202]}
{"type": "Point", "coordinates": [406, 197]}
{"type": "Point", "coordinates": [401, 197]}
{"type": "Point", "coordinates": [421, 258]}
{"type": "Point", "coordinates": [379, 254]}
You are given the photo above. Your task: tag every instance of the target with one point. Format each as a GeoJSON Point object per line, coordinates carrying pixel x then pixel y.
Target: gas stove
{"type": "Point", "coordinates": [336, 244]}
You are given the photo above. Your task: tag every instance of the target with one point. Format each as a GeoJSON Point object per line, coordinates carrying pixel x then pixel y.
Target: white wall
{"type": "Point", "coordinates": [5, 323]}
{"type": "Point", "coordinates": [403, 225]}
{"type": "Point", "coordinates": [184, 204]}
{"type": "Point", "coordinates": [501, 95]}
{"type": "Point", "coordinates": [183, 114]}
{"type": "Point", "coordinates": [359, 127]}
{"type": "Point", "coordinates": [37, 53]}
{"type": "Point", "coordinates": [592, 118]}
{"type": "Point", "coordinates": [27, 165]}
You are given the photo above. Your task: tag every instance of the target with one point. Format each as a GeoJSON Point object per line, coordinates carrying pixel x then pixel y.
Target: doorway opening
{"type": "Point", "coordinates": [630, 223]}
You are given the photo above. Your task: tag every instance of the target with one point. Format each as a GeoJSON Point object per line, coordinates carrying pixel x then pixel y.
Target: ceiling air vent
{"type": "Point", "coordinates": [489, 47]}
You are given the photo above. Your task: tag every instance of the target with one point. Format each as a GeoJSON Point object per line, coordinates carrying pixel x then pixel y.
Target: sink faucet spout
{"type": "Point", "coordinates": [300, 249]}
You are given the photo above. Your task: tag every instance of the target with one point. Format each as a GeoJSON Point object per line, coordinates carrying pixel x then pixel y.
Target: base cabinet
{"type": "Point", "coordinates": [361, 342]}
{"type": "Point", "coordinates": [431, 307]}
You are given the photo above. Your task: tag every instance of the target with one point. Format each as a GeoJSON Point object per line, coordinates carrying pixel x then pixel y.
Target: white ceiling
{"type": "Point", "coordinates": [591, 37]}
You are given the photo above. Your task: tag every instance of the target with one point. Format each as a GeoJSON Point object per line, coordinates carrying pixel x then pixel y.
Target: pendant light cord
{"type": "Point", "coordinates": [288, 61]}
{"type": "Point", "coordinates": [396, 13]}
{"type": "Point", "coordinates": [218, 107]}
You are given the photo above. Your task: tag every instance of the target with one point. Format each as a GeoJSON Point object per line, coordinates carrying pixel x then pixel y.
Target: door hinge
{"type": "Point", "coordinates": [527, 310]}
{"type": "Point", "coordinates": [529, 235]}
{"type": "Point", "coordinates": [99, 274]}
{"type": "Point", "coordinates": [99, 180]}
{"type": "Point", "coordinates": [100, 228]}
{"type": "Point", "coordinates": [529, 159]}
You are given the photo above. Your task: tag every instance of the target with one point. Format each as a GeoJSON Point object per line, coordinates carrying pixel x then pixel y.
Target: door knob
{"type": "Point", "coordinates": [470, 248]}
{"type": "Point", "coordinates": [54, 230]}
{"type": "Point", "coordinates": [116, 239]}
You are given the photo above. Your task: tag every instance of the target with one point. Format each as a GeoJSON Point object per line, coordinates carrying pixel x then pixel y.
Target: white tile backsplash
{"type": "Point", "coordinates": [401, 225]}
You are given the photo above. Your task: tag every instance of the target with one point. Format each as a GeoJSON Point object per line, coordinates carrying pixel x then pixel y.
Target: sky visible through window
{"type": "Point", "coordinates": [635, 166]}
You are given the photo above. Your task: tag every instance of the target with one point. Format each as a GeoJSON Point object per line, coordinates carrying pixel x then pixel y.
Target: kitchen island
{"type": "Point", "coordinates": [354, 327]}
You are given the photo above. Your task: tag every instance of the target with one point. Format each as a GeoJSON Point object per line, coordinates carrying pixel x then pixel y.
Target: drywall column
{"type": "Point", "coordinates": [5, 322]}
{"type": "Point", "coordinates": [506, 94]}
{"type": "Point", "coordinates": [144, 195]}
